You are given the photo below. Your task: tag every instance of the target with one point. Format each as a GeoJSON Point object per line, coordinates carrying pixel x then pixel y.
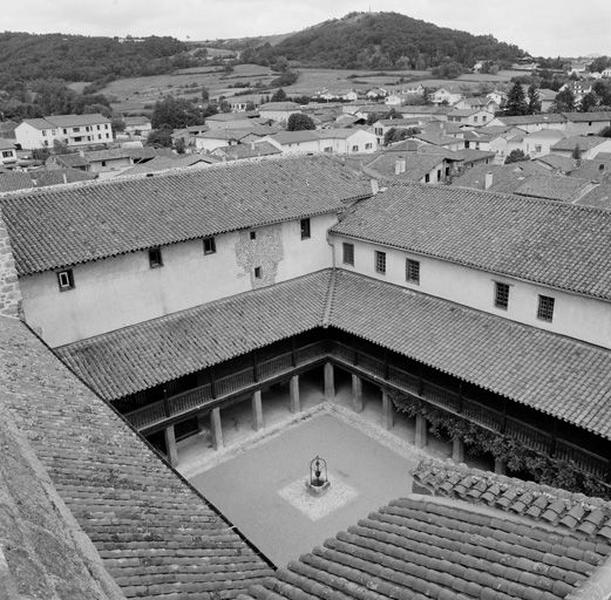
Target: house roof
{"type": "Point", "coordinates": [163, 163]}
{"type": "Point", "coordinates": [585, 142]}
{"type": "Point", "coordinates": [296, 137]}
{"type": "Point", "coordinates": [225, 134]}
{"type": "Point", "coordinates": [136, 120]}
{"type": "Point", "coordinates": [417, 164]}
{"type": "Point", "coordinates": [54, 121]}
{"type": "Point", "coordinates": [532, 119]}
{"type": "Point", "coordinates": [558, 376]}
{"type": "Point", "coordinates": [292, 106]}
{"type": "Point", "coordinates": [101, 219]}
{"type": "Point", "coordinates": [438, 221]}
{"type": "Point", "coordinates": [465, 112]}
{"type": "Point", "coordinates": [557, 161]}
{"type": "Point", "coordinates": [15, 180]}
{"type": "Point", "coordinates": [72, 160]}
{"type": "Point", "coordinates": [505, 178]}
{"type": "Point", "coordinates": [585, 117]}
{"type": "Point", "coordinates": [550, 134]}
{"type": "Point", "coordinates": [599, 196]}
{"type": "Point", "coordinates": [231, 116]}
{"type": "Point", "coordinates": [469, 155]}
{"type": "Point", "coordinates": [595, 169]}
{"type": "Point", "coordinates": [240, 151]}
{"type": "Point", "coordinates": [421, 547]}
{"type": "Point", "coordinates": [554, 187]}
{"type": "Point", "coordinates": [567, 511]}
{"type": "Point", "coordinates": [157, 536]}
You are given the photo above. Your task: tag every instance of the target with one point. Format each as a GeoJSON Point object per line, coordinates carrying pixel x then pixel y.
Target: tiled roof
{"type": "Point", "coordinates": [553, 374]}
{"type": "Point", "coordinates": [439, 222]}
{"type": "Point", "coordinates": [196, 338]}
{"type": "Point", "coordinates": [280, 106]}
{"type": "Point", "coordinates": [157, 536]}
{"type": "Point", "coordinates": [533, 119]}
{"type": "Point", "coordinates": [581, 117]}
{"type": "Point", "coordinates": [585, 142]}
{"type": "Point", "coordinates": [419, 548]}
{"type": "Point", "coordinates": [469, 155]}
{"type": "Point", "coordinates": [239, 151]}
{"type": "Point", "coordinates": [45, 177]}
{"type": "Point", "coordinates": [554, 187]}
{"type": "Point", "coordinates": [49, 229]}
{"type": "Point", "coordinates": [599, 197]}
{"type": "Point", "coordinates": [225, 134]}
{"type": "Point", "coordinates": [557, 161]}
{"type": "Point", "coordinates": [72, 160]}
{"type": "Point", "coordinates": [77, 120]}
{"type": "Point", "coordinates": [295, 137]}
{"type": "Point", "coordinates": [136, 120]}
{"type": "Point", "coordinates": [588, 517]}
{"type": "Point", "coordinates": [163, 163]}
{"type": "Point", "coordinates": [596, 169]}
{"type": "Point", "coordinates": [15, 180]}
{"type": "Point", "coordinates": [417, 164]}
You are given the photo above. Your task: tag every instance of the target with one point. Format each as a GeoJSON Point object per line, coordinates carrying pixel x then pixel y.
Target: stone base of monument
{"type": "Point", "coordinates": [317, 489]}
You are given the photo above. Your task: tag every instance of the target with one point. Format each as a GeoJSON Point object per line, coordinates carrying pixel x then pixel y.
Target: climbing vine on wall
{"type": "Point", "coordinates": [518, 458]}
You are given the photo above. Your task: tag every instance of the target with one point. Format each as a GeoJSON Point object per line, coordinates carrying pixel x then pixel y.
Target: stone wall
{"type": "Point", "coordinates": [10, 294]}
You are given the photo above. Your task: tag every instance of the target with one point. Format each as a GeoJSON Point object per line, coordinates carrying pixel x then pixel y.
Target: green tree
{"type": "Point", "coordinates": [180, 146]}
{"type": "Point", "coordinates": [588, 102]}
{"type": "Point", "coordinates": [396, 134]}
{"type": "Point", "coordinates": [279, 96]}
{"type": "Point", "coordinates": [534, 103]}
{"type": "Point", "coordinates": [160, 138]}
{"type": "Point", "coordinates": [175, 113]}
{"type": "Point", "coordinates": [299, 122]}
{"type": "Point", "coordinates": [516, 102]}
{"type": "Point", "coordinates": [564, 101]}
{"type": "Point", "coordinates": [605, 132]}
{"type": "Point", "coordinates": [59, 147]}
{"type": "Point", "coordinates": [516, 156]}
{"type": "Point", "coordinates": [205, 95]}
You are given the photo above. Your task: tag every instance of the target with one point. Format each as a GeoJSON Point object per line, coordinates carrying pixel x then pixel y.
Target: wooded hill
{"type": "Point", "coordinates": [25, 57]}
{"type": "Point", "coordinates": [383, 40]}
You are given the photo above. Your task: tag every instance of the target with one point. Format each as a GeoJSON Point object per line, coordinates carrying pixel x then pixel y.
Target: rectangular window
{"type": "Point", "coordinates": [253, 235]}
{"type": "Point", "coordinates": [305, 229]}
{"type": "Point", "coordinates": [355, 148]}
{"type": "Point", "coordinates": [65, 280]}
{"type": "Point", "coordinates": [76, 129]}
{"type": "Point", "coordinates": [368, 146]}
{"type": "Point", "coordinates": [427, 178]}
{"type": "Point", "coordinates": [501, 295]}
{"type": "Point", "coordinates": [348, 251]}
{"type": "Point", "coordinates": [155, 259]}
{"type": "Point", "coordinates": [7, 154]}
{"type": "Point", "coordinates": [412, 271]}
{"type": "Point", "coordinates": [380, 261]}
{"type": "Point", "coordinates": [545, 310]}
{"type": "Point", "coordinates": [258, 272]}
{"type": "Point", "coordinates": [438, 174]}
{"type": "Point", "coordinates": [209, 245]}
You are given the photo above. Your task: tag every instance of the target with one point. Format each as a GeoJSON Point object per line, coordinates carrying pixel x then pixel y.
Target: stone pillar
{"type": "Point", "coordinates": [458, 450]}
{"type": "Point", "coordinates": [357, 393]}
{"type": "Point", "coordinates": [202, 422]}
{"type": "Point", "coordinates": [388, 414]}
{"type": "Point", "coordinates": [216, 428]}
{"type": "Point", "coordinates": [329, 382]}
{"type": "Point", "coordinates": [421, 431]}
{"type": "Point", "coordinates": [170, 445]}
{"type": "Point", "coordinates": [295, 401]}
{"type": "Point", "coordinates": [257, 411]}
{"type": "Point", "coordinates": [499, 467]}
{"type": "Point", "coordinates": [10, 293]}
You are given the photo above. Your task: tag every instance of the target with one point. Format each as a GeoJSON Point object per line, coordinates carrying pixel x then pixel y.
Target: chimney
{"type": "Point", "coordinates": [374, 186]}
{"type": "Point", "coordinates": [488, 180]}
{"type": "Point", "coordinates": [398, 166]}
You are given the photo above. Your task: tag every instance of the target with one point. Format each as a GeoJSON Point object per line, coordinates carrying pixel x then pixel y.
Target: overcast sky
{"type": "Point", "coordinates": [541, 27]}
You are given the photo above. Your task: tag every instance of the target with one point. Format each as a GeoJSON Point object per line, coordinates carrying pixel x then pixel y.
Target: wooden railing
{"type": "Point", "coordinates": [185, 404]}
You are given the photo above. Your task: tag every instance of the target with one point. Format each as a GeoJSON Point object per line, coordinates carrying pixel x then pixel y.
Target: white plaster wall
{"type": "Point", "coordinates": [30, 138]}
{"type": "Point", "coordinates": [575, 316]}
{"type": "Point", "coordinates": [115, 292]}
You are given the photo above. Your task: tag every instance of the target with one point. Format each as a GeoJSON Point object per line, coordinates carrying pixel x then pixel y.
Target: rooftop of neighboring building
{"type": "Point", "coordinates": [43, 224]}
{"type": "Point", "coordinates": [503, 179]}
{"type": "Point", "coordinates": [555, 187]}
{"type": "Point", "coordinates": [134, 121]}
{"type": "Point", "coordinates": [55, 121]}
{"type": "Point", "coordinates": [599, 196]}
{"type": "Point", "coordinates": [558, 162]}
{"type": "Point", "coordinates": [532, 119]}
{"type": "Point", "coordinates": [585, 142]}
{"type": "Point", "coordinates": [164, 163]}
{"type": "Point", "coordinates": [244, 151]}
{"type": "Point", "coordinates": [281, 106]}
{"type": "Point", "coordinates": [412, 165]}
{"type": "Point", "coordinates": [586, 117]}
{"type": "Point", "coordinates": [232, 116]}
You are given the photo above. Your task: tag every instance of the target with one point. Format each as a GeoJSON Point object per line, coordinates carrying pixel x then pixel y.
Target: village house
{"type": "Point", "coordinates": [8, 154]}
{"type": "Point", "coordinates": [586, 146]}
{"type": "Point", "coordinates": [411, 164]}
{"type": "Point", "coordinates": [530, 123]}
{"type": "Point", "coordinates": [71, 130]}
{"type": "Point", "coordinates": [587, 123]}
{"type": "Point", "coordinates": [279, 111]}
{"type": "Point", "coordinates": [328, 141]}
{"type": "Point", "coordinates": [539, 143]}
{"type": "Point", "coordinates": [471, 117]}
{"type": "Point", "coordinates": [437, 113]}
{"type": "Point", "coordinates": [445, 96]}
{"type": "Point", "coordinates": [137, 126]}
{"type": "Point", "coordinates": [382, 126]}
{"type": "Point", "coordinates": [231, 120]}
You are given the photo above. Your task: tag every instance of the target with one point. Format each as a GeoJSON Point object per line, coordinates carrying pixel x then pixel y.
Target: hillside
{"type": "Point", "coordinates": [383, 41]}
{"type": "Point", "coordinates": [25, 57]}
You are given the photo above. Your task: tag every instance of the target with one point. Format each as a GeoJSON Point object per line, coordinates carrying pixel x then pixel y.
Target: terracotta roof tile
{"type": "Point", "coordinates": [50, 229]}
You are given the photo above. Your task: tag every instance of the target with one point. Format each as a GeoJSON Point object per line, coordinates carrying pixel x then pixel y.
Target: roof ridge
{"type": "Point", "coordinates": [326, 319]}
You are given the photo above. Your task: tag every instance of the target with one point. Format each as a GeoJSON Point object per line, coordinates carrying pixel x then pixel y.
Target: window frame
{"type": "Point", "coordinates": [253, 234]}
{"type": "Point", "coordinates": [545, 308]}
{"type": "Point", "coordinates": [211, 242]}
{"type": "Point", "coordinates": [501, 295]}
{"type": "Point", "coordinates": [346, 246]}
{"type": "Point", "coordinates": [155, 257]}
{"type": "Point", "coordinates": [305, 228]}
{"type": "Point", "coordinates": [412, 266]}
{"type": "Point", "coordinates": [258, 272]}
{"type": "Point", "coordinates": [68, 284]}
{"type": "Point", "coordinates": [379, 262]}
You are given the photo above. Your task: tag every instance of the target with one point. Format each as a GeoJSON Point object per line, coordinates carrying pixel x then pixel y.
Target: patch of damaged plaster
{"type": "Point", "coordinates": [265, 251]}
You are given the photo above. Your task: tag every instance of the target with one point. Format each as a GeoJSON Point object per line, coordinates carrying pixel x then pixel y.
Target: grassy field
{"type": "Point", "coordinates": [139, 93]}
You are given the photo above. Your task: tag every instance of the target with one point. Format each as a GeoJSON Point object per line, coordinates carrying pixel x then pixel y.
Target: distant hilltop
{"type": "Point", "coordinates": [383, 40]}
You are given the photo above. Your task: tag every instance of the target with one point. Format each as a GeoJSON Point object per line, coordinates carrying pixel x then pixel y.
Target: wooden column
{"type": "Point", "coordinates": [202, 421]}
{"type": "Point", "coordinates": [421, 431]}
{"type": "Point", "coordinates": [329, 382]}
{"type": "Point", "coordinates": [295, 401]}
{"type": "Point", "coordinates": [216, 428]}
{"type": "Point", "coordinates": [388, 413]}
{"type": "Point", "coordinates": [170, 445]}
{"type": "Point", "coordinates": [357, 393]}
{"type": "Point", "coordinates": [257, 411]}
{"type": "Point", "coordinates": [499, 467]}
{"type": "Point", "coordinates": [458, 450]}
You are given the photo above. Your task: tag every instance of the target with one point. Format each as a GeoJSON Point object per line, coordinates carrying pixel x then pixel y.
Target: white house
{"type": "Point", "coordinates": [329, 141]}
{"type": "Point", "coordinates": [472, 117]}
{"type": "Point", "coordinates": [71, 130]}
{"type": "Point", "coordinates": [8, 154]}
{"type": "Point", "coordinates": [216, 138]}
{"type": "Point", "coordinates": [138, 126]}
{"type": "Point", "coordinates": [587, 123]}
{"type": "Point", "coordinates": [279, 111]}
{"type": "Point", "coordinates": [444, 96]}
{"type": "Point", "coordinates": [539, 143]}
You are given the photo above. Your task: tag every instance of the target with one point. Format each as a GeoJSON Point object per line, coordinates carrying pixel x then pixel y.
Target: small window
{"type": "Point", "coordinates": [368, 146]}
{"type": "Point", "coordinates": [155, 259]}
{"type": "Point", "coordinates": [258, 272]}
{"type": "Point", "coordinates": [380, 261]}
{"type": "Point", "coordinates": [103, 163]}
{"type": "Point", "coordinates": [412, 270]}
{"type": "Point", "coordinates": [545, 311]}
{"type": "Point", "coordinates": [253, 235]}
{"type": "Point", "coordinates": [355, 148]}
{"type": "Point", "coordinates": [65, 280]}
{"type": "Point", "coordinates": [427, 178]}
{"type": "Point", "coordinates": [501, 295]}
{"type": "Point", "coordinates": [209, 245]}
{"type": "Point", "coordinates": [348, 251]}
{"type": "Point", "coordinates": [305, 229]}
